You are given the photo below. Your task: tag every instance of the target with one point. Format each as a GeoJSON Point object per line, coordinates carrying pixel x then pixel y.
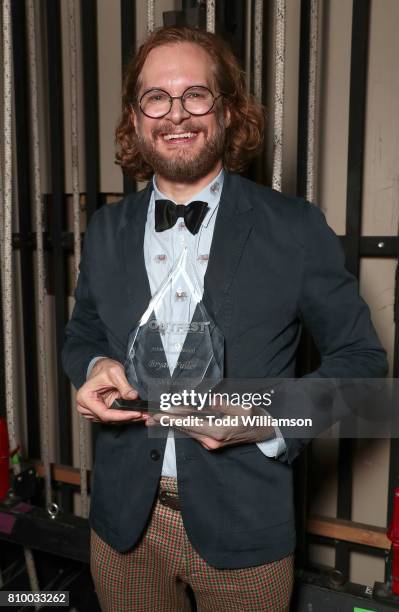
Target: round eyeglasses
{"type": "Point", "coordinates": [196, 100]}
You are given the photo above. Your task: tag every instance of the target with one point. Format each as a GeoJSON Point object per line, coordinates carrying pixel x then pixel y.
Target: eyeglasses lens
{"type": "Point", "coordinates": [196, 100]}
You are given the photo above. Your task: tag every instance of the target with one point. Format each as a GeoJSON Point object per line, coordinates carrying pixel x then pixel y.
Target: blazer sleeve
{"type": "Point", "coordinates": [84, 334]}
{"type": "Point", "coordinates": [338, 320]}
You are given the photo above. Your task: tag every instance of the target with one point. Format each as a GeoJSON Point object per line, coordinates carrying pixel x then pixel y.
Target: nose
{"type": "Point", "coordinates": [177, 113]}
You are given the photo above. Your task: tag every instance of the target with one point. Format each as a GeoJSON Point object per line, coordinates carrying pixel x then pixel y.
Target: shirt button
{"type": "Point", "coordinates": [180, 295]}
{"type": "Point", "coordinates": [160, 258]}
{"type": "Point", "coordinates": [155, 455]}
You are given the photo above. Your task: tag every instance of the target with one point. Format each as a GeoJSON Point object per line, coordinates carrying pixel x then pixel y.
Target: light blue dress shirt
{"type": "Point", "coordinates": [161, 252]}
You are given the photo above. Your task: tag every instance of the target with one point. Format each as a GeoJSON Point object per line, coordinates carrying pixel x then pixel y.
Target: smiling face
{"type": "Point", "coordinates": [179, 146]}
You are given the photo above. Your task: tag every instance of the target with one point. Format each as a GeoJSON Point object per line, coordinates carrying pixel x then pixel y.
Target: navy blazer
{"type": "Point", "coordinates": [274, 266]}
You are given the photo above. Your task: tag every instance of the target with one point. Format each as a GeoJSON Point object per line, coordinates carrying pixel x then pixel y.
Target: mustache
{"type": "Point", "coordinates": [187, 127]}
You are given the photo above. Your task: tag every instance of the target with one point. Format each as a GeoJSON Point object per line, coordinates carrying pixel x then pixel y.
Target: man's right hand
{"type": "Point", "coordinates": [106, 382]}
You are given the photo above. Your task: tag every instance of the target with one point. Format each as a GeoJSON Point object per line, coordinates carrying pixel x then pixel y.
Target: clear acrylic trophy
{"type": "Point", "coordinates": [186, 351]}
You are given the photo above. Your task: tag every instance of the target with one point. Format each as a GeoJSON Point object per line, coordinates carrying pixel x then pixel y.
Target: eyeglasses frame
{"type": "Point", "coordinates": [181, 100]}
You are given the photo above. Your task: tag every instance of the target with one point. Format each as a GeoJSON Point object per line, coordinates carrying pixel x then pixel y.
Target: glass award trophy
{"type": "Point", "coordinates": [175, 346]}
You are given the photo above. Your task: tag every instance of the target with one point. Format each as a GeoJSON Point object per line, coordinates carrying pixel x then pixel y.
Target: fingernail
{"type": "Point", "coordinates": [133, 393]}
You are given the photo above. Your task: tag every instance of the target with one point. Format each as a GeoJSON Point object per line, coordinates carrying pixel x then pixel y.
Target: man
{"type": "Point", "coordinates": [213, 507]}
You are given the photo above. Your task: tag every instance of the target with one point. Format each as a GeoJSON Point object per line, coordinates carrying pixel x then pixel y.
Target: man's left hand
{"type": "Point", "coordinates": [211, 432]}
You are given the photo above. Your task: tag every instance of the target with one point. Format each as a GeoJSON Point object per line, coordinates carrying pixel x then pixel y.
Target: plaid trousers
{"type": "Point", "coordinates": [154, 575]}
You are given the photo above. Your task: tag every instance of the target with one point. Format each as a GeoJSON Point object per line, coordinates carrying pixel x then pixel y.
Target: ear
{"type": "Point", "coordinates": [227, 116]}
{"type": "Point", "coordinates": [133, 117]}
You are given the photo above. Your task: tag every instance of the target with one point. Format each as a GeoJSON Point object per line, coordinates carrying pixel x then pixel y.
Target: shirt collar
{"type": "Point", "coordinates": [209, 194]}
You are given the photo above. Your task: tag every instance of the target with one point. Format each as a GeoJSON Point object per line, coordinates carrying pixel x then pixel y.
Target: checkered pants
{"type": "Point", "coordinates": [153, 576]}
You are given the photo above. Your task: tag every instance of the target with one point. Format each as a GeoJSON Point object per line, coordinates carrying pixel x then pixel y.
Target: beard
{"type": "Point", "coordinates": [182, 164]}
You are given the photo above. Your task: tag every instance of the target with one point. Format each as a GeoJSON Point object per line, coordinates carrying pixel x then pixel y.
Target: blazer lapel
{"type": "Point", "coordinates": [233, 225]}
{"type": "Point", "coordinates": [131, 245]}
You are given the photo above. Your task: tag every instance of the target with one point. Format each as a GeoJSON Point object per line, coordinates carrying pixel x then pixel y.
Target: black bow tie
{"type": "Point", "coordinates": [167, 213]}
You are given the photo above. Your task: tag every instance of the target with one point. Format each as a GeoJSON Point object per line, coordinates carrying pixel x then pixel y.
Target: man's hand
{"type": "Point", "coordinates": [209, 432]}
{"type": "Point", "coordinates": [106, 382]}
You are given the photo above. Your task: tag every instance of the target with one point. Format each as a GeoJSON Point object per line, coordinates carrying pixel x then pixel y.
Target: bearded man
{"type": "Point", "coordinates": [211, 509]}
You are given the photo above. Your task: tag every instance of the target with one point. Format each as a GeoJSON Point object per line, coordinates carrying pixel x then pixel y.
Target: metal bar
{"type": "Point", "coordinates": [301, 499]}
{"type": "Point", "coordinates": [3, 186]}
{"type": "Point", "coordinates": [150, 15]}
{"type": "Point", "coordinates": [232, 25]}
{"type": "Point", "coordinates": [90, 102]}
{"type": "Point", "coordinates": [188, 4]}
{"type": "Point", "coordinates": [379, 246]}
{"type": "Point", "coordinates": [303, 99]}
{"type": "Point", "coordinates": [279, 92]}
{"type": "Point", "coordinates": [393, 479]}
{"type": "Point", "coordinates": [7, 261]}
{"type": "Point", "coordinates": [308, 360]}
{"type": "Point", "coordinates": [357, 105]}
{"type": "Point", "coordinates": [24, 209]}
{"type": "Point", "coordinates": [306, 153]}
{"type": "Point", "coordinates": [57, 222]}
{"type": "Point", "coordinates": [128, 33]}
{"type": "Point", "coordinates": [258, 50]}
{"type": "Point", "coordinates": [312, 101]}
{"type": "Point", "coordinates": [375, 246]}
{"type": "Point", "coordinates": [210, 15]}
{"type": "Point", "coordinates": [128, 30]}
{"type": "Point", "coordinates": [344, 500]}
{"type": "Point", "coordinates": [73, 57]}
{"type": "Point", "coordinates": [357, 110]}
{"type": "Point", "coordinates": [248, 38]}
{"type": "Point", "coordinates": [40, 268]}
{"type": "Point", "coordinates": [325, 540]}
{"type": "Point", "coordinates": [6, 229]}
{"type": "Point", "coordinates": [306, 353]}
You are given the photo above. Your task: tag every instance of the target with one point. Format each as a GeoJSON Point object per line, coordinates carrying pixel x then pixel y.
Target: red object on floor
{"type": "Point", "coordinates": [393, 535]}
{"type": "Point", "coordinates": [4, 459]}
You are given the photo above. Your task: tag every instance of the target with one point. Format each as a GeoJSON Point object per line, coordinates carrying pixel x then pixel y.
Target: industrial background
{"type": "Point", "coordinates": [326, 71]}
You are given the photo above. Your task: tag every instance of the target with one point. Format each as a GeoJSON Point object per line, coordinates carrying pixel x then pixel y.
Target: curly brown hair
{"type": "Point", "coordinates": [244, 136]}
